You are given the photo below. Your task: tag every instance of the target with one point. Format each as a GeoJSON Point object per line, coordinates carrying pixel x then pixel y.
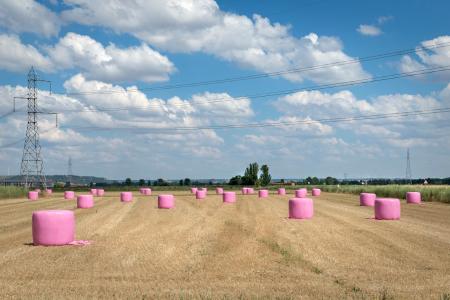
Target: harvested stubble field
{"type": "Point", "coordinates": [245, 250]}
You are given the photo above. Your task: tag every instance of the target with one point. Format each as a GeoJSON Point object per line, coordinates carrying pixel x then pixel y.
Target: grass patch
{"type": "Point", "coordinates": [9, 192]}
{"type": "Point", "coordinates": [445, 296]}
{"type": "Point", "coordinates": [429, 193]}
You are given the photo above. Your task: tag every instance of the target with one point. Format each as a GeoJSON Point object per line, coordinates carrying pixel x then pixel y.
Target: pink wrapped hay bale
{"type": "Point", "coordinates": [387, 209]}
{"type": "Point", "coordinates": [85, 201]}
{"type": "Point", "coordinates": [281, 191]}
{"type": "Point", "coordinates": [200, 194]}
{"type": "Point", "coordinates": [147, 191]}
{"type": "Point", "coordinates": [33, 195]}
{"type": "Point", "coordinates": [413, 198]}
{"type": "Point", "coordinates": [315, 192]}
{"type": "Point", "coordinates": [126, 196]}
{"type": "Point", "coordinates": [100, 192]}
{"type": "Point", "coordinates": [69, 195]}
{"type": "Point", "coordinates": [250, 191]}
{"type": "Point", "coordinates": [166, 201]}
{"type": "Point", "coordinates": [141, 191]}
{"type": "Point", "coordinates": [193, 190]}
{"type": "Point", "coordinates": [244, 191]}
{"type": "Point", "coordinates": [219, 191]}
{"type": "Point", "coordinates": [37, 190]}
{"type": "Point", "coordinates": [48, 191]}
{"type": "Point", "coordinates": [93, 192]}
{"type": "Point", "coordinates": [205, 190]}
{"type": "Point", "coordinates": [263, 193]}
{"type": "Point", "coordinates": [53, 227]}
{"type": "Point", "coordinates": [367, 199]}
{"type": "Point", "coordinates": [301, 208]}
{"type": "Point", "coordinates": [301, 193]}
{"type": "Point", "coordinates": [229, 197]}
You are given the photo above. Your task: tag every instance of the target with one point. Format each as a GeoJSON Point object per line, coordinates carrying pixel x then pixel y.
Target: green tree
{"type": "Point", "coordinates": [128, 181]}
{"type": "Point", "coordinates": [149, 182]}
{"type": "Point", "coordinates": [236, 180]}
{"type": "Point", "coordinates": [330, 180]}
{"type": "Point", "coordinates": [265, 178]}
{"type": "Point", "coordinates": [181, 182]}
{"type": "Point", "coordinates": [251, 174]}
{"type": "Point", "coordinates": [308, 180]}
{"type": "Point", "coordinates": [315, 180]}
{"type": "Point", "coordinates": [141, 182]}
{"type": "Point", "coordinates": [187, 181]}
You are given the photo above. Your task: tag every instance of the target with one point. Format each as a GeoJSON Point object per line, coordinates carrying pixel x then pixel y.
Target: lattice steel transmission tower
{"type": "Point", "coordinates": [408, 167]}
{"type": "Point", "coordinates": [31, 167]}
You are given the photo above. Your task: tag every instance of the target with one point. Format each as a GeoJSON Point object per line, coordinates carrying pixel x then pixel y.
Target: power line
{"type": "Point", "coordinates": [274, 124]}
{"type": "Point", "coordinates": [257, 125]}
{"type": "Point", "coordinates": [278, 93]}
{"type": "Point", "coordinates": [271, 74]}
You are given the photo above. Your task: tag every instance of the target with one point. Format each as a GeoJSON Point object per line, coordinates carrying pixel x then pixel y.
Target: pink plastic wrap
{"type": "Point", "coordinates": [33, 195]}
{"type": "Point", "coordinates": [413, 198]}
{"type": "Point", "coordinates": [100, 192]}
{"type": "Point", "coordinates": [229, 197]}
{"type": "Point", "coordinates": [193, 190]}
{"type": "Point", "coordinates": [263, 193]}
{"type": "Point", "coordinates": [69, 195]}
{"type": "Point", "coordinates": [281, 191]}
{"type": "Point", "coordinates": [219, 191]}
{"type": "Point", "coordinates": [315, 192]}
{"type": "Point", "coordinates": [53, 227]}
{"type": "Point", "coordinates": [301, 208]}
{"type": "Point", "coordinates": [166, 201]}
{"type": "Point", "coordinates": [301, 193]}
{"type": "Point", "coordinates": [85, 201]}
{"type": "Point", "coordinates": [250, 191]}
{"type": "Point", "coordinates": [126, 196]}
{"type": "Point", "coordinates": [147, 191]}
{"type": "Point", "coordinates": [367, 199]}
{"type": "Point", "coordinates": [200, 194]}
{"type": "Point", "coordinates": [244, 191]}
{"type": "Point", "coordinates": [48, 191]}
{"type": "Point", "coordinates": [387, 209]}
{"type": "Point", "coordinates": [93, 192]}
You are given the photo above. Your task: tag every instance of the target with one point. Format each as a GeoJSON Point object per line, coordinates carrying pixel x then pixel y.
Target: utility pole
{"type": "Point", "coordinates": [69, 170]}
{"type": "Point", "coordinates": [31, 167]}
{"type": "Point", "coordinates": [408, 168]}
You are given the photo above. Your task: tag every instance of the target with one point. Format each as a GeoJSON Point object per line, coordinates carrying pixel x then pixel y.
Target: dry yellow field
{"type": "Point", "coordinates": [209, 250]}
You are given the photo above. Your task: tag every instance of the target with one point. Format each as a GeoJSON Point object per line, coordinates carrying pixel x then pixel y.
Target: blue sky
{"type": "Point", "coordinates": [84, 46]}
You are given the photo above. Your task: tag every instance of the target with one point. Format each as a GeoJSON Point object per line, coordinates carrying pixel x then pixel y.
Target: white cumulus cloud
{"type": "Point", "coordinates": [430, 54]}
{"type": "Point", "coordinates": [188, 26]}
{"type": "Point", "coordinates": [81, 52]}
{"type": "Point", "coordinates": [369, 30]}
{"type": "Point", "coordinates": [17, 57]}
{"type": "Point", "coordinates": [28, 16]}
{"type": "Point", "coordinates": [110, 63]}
